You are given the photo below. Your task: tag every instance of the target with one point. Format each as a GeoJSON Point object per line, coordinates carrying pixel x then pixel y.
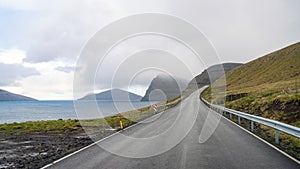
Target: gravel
{"type": "Point", "coordinates": [37, 149]}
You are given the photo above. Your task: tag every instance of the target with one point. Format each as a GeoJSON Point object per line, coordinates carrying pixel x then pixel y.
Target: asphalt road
{"type": "Point", "coordinates": [174, 143]}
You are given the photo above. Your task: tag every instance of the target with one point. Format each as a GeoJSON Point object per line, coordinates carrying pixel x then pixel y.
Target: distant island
{"type": "Point", "coordinates": [7, 96]}
{"type": "Point", "coordinates": [113, 95]}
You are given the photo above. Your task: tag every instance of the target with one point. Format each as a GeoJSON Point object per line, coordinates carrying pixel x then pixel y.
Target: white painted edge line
{"type": "Point", "coordinates": [257, 137]}
{"type": "Point", "coordinates": [86, 147]}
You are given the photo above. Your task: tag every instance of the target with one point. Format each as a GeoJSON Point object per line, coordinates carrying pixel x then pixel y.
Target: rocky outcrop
{"type": "Point", "coordinates": [164, 87]}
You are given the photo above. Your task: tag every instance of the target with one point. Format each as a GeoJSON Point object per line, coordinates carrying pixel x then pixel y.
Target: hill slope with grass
{"type": "Point", "coordinates": [268, 87]}
{"type": "Point", "coordinates": [280, 66]}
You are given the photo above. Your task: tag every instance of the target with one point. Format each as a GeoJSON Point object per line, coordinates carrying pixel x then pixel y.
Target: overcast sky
{"type": "Point", "coordinates": [40, 40]}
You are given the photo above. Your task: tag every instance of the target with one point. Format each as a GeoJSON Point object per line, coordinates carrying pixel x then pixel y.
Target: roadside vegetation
{"type": "Point", "coordinates": [34, 126]}
{"type": "Point", "coordinates": [112, 122]}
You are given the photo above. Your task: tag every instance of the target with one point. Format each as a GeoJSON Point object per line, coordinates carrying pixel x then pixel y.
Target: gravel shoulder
{"type": "Point", "coordinates": [37, 149]}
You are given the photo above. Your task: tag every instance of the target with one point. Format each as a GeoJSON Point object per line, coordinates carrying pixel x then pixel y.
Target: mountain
{"type": "Point", "coordinates": [211, 74]}
{"type": "Point", "coordinates": [7, 96]}
{"type": "Point", "coordinates": [113, 95]}
{"type": "Point", "coordinates": [277, 67]}
{"type": "Point", "coordinates": [164, 87]}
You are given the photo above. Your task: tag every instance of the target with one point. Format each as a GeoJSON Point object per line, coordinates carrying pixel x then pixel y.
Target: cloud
{"type": "Point", "coordinates": [49, 85]}
{"type": "Point", "coordinates": [243, 30]}
{"type": "Point", "coordinates": [66, 69]}
{"type": "Point", "coordinates": [67, 28]}
{"type": "Point", "coordinates": [240, 30]}
{"type": "Point", "coordinates": [134, 64]}
{"type": "Point", "coordinates": [29, 5]}
{"type": "Point", "coordinates": [56, 31]}
{"type": "Point", "coordinates": [12, 56]}
{"type": "Point", "coordinates": [11, 74]}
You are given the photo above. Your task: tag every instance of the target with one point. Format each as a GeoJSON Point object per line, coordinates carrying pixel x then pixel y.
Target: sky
{"type": "Point", "coordinates": [41, 40]}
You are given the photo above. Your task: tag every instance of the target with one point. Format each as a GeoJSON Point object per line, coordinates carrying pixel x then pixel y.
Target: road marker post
{"type": "Point", "coordinates": [121, 123]}
{"type": "Point", "coordinates": [155, 108]}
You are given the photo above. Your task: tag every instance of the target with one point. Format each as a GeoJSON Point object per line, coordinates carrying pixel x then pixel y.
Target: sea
{"type": "Point", "coordinates": [21, 111]}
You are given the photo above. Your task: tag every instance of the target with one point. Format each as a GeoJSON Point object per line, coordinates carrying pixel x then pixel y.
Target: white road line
{"type": "Point", "coordinates": [69, 155]}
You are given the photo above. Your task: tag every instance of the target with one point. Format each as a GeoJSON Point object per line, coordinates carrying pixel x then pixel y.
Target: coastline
{"type": "Point", "coordinates": [34, 144]}
{"type": "Point", "coordinates": [23, 111]}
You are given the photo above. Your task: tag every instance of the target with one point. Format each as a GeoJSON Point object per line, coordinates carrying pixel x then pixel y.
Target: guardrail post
{"type": "Point", "coordinates": [230, 115]}
{"type": "Point", "coordinates": [239, 120]}
{"type": "Point", "coordinates": [252, 126]}
{"type": "Point", "coordinates": [224, 113]}
{"type": "Point", "coordinates": [276, 136]}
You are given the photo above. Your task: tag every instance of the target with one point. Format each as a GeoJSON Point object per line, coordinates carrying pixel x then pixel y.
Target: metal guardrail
{"type": "Point", "coordinates": [278, 126]}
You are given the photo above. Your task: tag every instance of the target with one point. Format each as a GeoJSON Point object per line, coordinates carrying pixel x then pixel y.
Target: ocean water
{"type": "Point", "coordinates": [20, 111]}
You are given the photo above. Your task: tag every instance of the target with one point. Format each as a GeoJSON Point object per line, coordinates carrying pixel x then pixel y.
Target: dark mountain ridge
{"type": "Point", "coordinates": [8, 96]}
{"type": "Point", "coordinates": [164, 87]}
{"type": "Point", "coordinates": [213, 73]}
{"type": "Point", "coordinates": [113, 95]}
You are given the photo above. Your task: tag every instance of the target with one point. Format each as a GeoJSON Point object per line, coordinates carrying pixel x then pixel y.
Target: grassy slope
{"type": "Point", "coordinates": [272, 83]}
{"type": "Point", "coordinates": [257, 75]}
{"type": "Point", "coordinates": [269, 87]}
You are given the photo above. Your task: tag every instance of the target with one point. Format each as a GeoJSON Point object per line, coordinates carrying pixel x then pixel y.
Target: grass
{"type": "Point", "coordinates": [48, 125]}
{"type": "Point", "coordinates": [272, 105]}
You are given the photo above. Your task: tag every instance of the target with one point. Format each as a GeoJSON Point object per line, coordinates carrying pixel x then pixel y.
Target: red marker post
{"type": "Point", "coordinates": [155, 108]}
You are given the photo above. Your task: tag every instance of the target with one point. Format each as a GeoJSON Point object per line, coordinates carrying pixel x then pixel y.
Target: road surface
{"type": "Point", "coordinates": [228, 147]}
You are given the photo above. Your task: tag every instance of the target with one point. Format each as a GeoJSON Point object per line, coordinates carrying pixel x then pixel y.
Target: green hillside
{"type": "Point", "coordinates": [268, 87]}
{"type": "Point", "coordinates": [277, 70]}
